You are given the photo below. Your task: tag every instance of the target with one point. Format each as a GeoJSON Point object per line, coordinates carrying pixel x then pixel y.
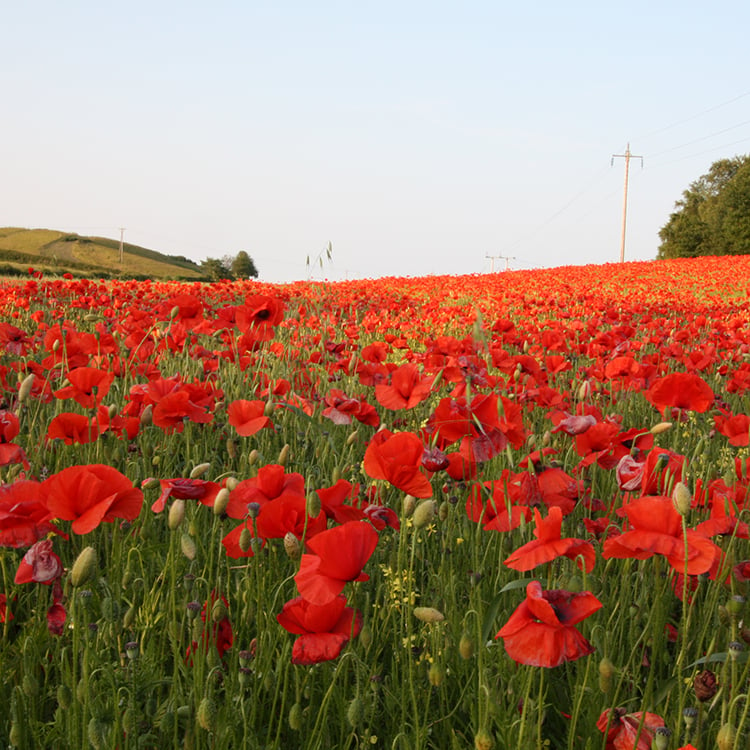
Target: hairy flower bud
{"type": "Point", "coordinates": [428, 614]}
{"type": "Point", "coordinates": [221, 502]}
{"type": "Point", "coordinates": [424, 514]}
{"type": "Point", "coordinates": [200, 470]}
{"type": "Point", "coordinates": [84, 567]}
{"type": "Point", "coordinates": [176, 514]}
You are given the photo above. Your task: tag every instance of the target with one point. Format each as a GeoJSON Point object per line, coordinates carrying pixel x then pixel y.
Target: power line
{"type": "Point", "coordinates": [698, 140]}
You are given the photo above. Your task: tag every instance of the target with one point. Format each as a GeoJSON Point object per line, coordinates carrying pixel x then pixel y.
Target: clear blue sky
{"type": "Point", "coordinates": [416, 137]}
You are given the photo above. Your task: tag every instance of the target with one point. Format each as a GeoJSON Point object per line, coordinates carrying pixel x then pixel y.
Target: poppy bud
{"type": "Point", "coordinates": [352, 437]}
{"type": "Point", "coordinates": [284, 455]}
{"type": "Point", "coordinates": [269, 408]}
{"type": "Point", "coordinates": [96, 731]}
{"type": "Point", "coordinates": [682, 498]}
{"type": "Point", "coordinates": [354, 713]}
{"type": "Point", "coordinates": [200, 470]}
{"type": "Point", "coordinates": [246, 539]}
{"type": "Point", "coordinates": [295, 717]}
{"type": "Point", "coordinates": [187, 545]}
{"type": "Point", "coordinates": [147, 416]}
{"type": "Point", "coordinates": [231, 448]}
{"type": "Point", "coordinates": [64, 696]}
{"type": "Point", "coordinates": [176, 514]}
{"type": "Point", "coordinates": [221, 501]}
{"type": "Point", "coordinates": [466, 646]}
{"type": "Point", "coordinates": [291, 546]}
{"type": "Point", "coordinates": [84, 567]}
{"type": "Point", "coordinates": [606, 672]}
{"type": "Point", "coordinates": [129, 618]}
{"type": "Point", "coordinates": [705, 685]}
{"type": "Point", "coordinates": [232, 483]}
{"type": "Point", "coordinates": [444, 510]}
{"type": "Point", "coordinates": [313, 505]}
{"type": "Point", "coordinates": [252, 457]}
{"type": "Point", "coordinates": [365, 636]}
{"type": "Point", "coordinates": [726, 736]}
{"type": "Point", "coordinates": [207, 711]}
{"type": "Point", "coordinates": [657, 429]}
{"type": "Point", "coordinates": [424, 514]}
{"type": "Point", "coordinates": [428, 614]}
{"type": "Point", "coordinates": [483, 740]}
{"type": "Point", "coordinates": [219, 611]}
{"type": "Point", "coordinates": [436, 674]}
{"type": "Point", "coordinates": [409, 503]}
{"type": "Point", "coordinates": [584, 390]}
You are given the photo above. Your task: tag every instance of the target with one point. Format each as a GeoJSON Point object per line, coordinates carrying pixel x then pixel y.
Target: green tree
{"type": "Point", "coordinates": [713, 215]}
{"type": "Point", "coordinates": [243, 266]}
{"type": "Point", "coordinates": [215, 269]}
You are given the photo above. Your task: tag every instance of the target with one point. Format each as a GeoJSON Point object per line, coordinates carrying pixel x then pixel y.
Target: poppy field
{"type": "Point", "coordinates": [483, 511]}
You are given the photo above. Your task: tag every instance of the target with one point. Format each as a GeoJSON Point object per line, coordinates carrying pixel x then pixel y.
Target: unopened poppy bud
{"type": "Point", "coordinates": [84, 567]}
{"type": "Point", "coordinates": [436, 674]}
{"type": "Point", "coordinates": [64, 696]}
{"type": "Point", "coordinates": [174, 312]}
{"type": "Point", "coordinates": [295, 717]}
{"type": "Point", "coordinates": [365, 636]}
{"type": "Point", "coordinates": [444, 510]}
{"type": "Point", "coordinates": [424, 514]}
{"type": "Point", "coordinates": [232, 483]}
{"type": "Point", "coordinates": [218, 611]}
{"type": "Point", "coordinates": [606, 672]}
{"type": "Point", "coordinates": [682, 498]}
{"type": "Point", "coordinates": [207, 713]}
{"type": "Point", "coordinates": [269, 408]}
{"type": "Point", "coordinates": [291, 546]}
{"type": "Point", "coordinates": [147, 416]}
{"type": "Point", "coordinates": [584, 390]}
{"type": "Point", "coordinates": [112, 411]}
{"type": "Point", "coordinates": [252, 457]}
{"type": "Point", "coordinates": [176, 514]}
{"type": "Point", "coordinates": [354, 713]}
{"type": "Point", "coordinates": [129, 617]}
{"type": "Point", "coordinates": [284, 455]}
{"type": "Point", "coordinates": [246, 539]}
{"type": "Point", "coordinates": [221, 502]}
{"type": "Point", "coordinates": [313, 505]}
{"type": "Point", "coordinates": [428, 614]}
{"type": "Point", "coordinates": [24, 389]}
{"type": "Point", "coordinates": [335, 474]}
{"type": "Point", "coordinates": [483, 740]}
{"type": "Point", "coordinates": [657, 429]}
{"type": "Point", "coordinates": [200, 470]}
{"type": "Point", "coordinates": [466, 646]}
{"type": "Point", "coordinates": [231, 448]}
{"type": "Point", "coordinates": [409, 503]}
{"type": "Point", "coordinates": [96, 731]}
{"type": "Point", "coordinates": [187, 545]}
{"type": "Point", "coordinates": [352, 437]}
{"type": "Point", "coordinates": [546, 438]}
{"type": "Point", "coordinates": [726, 737]}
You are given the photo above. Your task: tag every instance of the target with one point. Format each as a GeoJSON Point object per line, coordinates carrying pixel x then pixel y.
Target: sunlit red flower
{"type": "Point", "coordinates": [24, 517]}
{"type": "Point", "coordinates": [735, 427]}
{"type": "Point", "coordinates": [337, 556]}
{"type": "Point", "coordinates": [73, 428]}
{"type": "Point", "coordinates": [397, 458]}
{"type": "Point", "coordinates": [185, 489]}
{"type": "Point", "coordinates": [541, 632]}
{"type": "Point", "coordinates": [90, 494]}
{"type": "Point", "coordinates": [272, 482]}
{"type": "Point", "coordinates": [248, 417]}
{"type": "Point", "coordinates": [548, 545]}
{"type": "Point", "coordinates": [408, 387]}
{"type": "Point", "coordinates": [656, 529]}
{"type": "Point", "coordinates": [322, 629]}
{"type": "Point", "coordinates": [88, 386]}
{"type": "Point", "coordinates": [680, 390]}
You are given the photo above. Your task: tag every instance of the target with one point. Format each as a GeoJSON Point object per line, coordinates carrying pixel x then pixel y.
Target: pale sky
{"type": "Point", "coordinates": [417, 137]}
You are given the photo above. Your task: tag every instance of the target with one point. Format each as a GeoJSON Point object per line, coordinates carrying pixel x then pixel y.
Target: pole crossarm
{"type": "Point", "coordinates": [627, 156]}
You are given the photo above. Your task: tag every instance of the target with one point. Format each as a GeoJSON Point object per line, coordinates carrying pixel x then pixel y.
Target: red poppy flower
{"type": "Point", "coordinates": [541, 632]}
{"type": "Point", "coordinates": [397, 458]}
{"type": "Point", "coordinates": [88, 386]}
{"type": "Point", "coordinates": [341, 409]}
{"type": "Point", "coordinates": [56, 616]}
{"type": "Point", "coordinates": [656, 529]}
{"type": "Point", "coordinates": [5, 614]}
{"type": "Point", "coordinates": [549, 546]}
{"type": "Point", "coordinates": [39, 565]}
{"type": "Point", "coordinates": [735, 427]}
{"type": "Point", "coordinates": [219, 633]}
{"type": "Point", "coordinates": [273, 482]}
{"type": "Point", "coordinates": [626, 731]}
{"type": "Point", "coordinates": [14, 340]}
{"type": "Point", "coordinates": [680, 390]}
{"type": "Point", "coordinates": [406, 389]}
{"type": "Point", "coordinates": [248, 417]}
{"type": "Point", "coordinates": [73, 428]}
{"type": "Point", "coordinates": [339, 554]}
{"type": "Point", "coordinates": [323, 629]}
{"type": "Point", "coordinates": [90, 494]}
{"type": "Point", "coordinates": [661, 470]}
{"type": "Point", "coordinates": [24, 517]}
{"type": "Point", "coordinates": [185, 489]}
{"type": "Point", "coordinates": [174, 409]}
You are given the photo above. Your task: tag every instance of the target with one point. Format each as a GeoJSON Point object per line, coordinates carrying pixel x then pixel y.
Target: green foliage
{"type": "Point", "coordinates": [713, 215]}
{"type": "Point", "coordinates": [241, 266]}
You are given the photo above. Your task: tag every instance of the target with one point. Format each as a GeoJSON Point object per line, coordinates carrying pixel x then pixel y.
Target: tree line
{"type": "Point", "coordinates": [241, 266]}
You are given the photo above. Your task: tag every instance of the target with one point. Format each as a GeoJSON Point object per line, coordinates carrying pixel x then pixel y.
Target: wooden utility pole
{"type": "Point", "coordinates": [122, 232]}
{"type": "Point", "coordinates": [627, 156]}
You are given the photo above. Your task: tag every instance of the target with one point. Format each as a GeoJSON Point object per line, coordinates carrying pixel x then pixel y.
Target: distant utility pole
{"type": "Point", "coordinates": [122, 232]}
{"type": "Point", "coordinates": [506, 258]}
{"type": "Point", "coordinates": [627, 156]}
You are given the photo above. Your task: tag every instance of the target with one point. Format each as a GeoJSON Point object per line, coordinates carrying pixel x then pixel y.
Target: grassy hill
{"type": "Point", "coordinates": [52, 251]}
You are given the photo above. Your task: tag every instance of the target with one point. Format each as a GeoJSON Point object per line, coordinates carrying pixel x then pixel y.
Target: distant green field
{"type": "Point", "coordinates": [52, 251]}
